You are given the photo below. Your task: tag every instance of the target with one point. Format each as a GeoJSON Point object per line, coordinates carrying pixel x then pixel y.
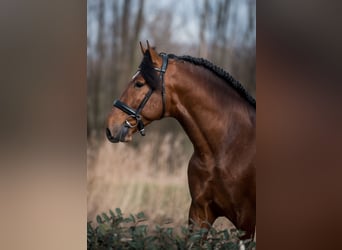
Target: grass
{"type": "Point", "coordinates": [150, 177]}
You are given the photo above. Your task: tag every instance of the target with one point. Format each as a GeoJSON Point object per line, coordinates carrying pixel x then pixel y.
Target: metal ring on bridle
{"type": "Point", "coordinates": [129, 124]}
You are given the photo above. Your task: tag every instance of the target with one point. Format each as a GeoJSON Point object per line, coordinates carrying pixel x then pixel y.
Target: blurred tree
{"type": "Point", "coordinates": [223, 39]}
{"type": "Point", "coordinates": [204, 17]}
{"type": "Point", "coordinates": [109, 66]}
{"type": "Point", "coordinates": [225, 35]}
{"type": "Point", "coordinates": [96, 75]}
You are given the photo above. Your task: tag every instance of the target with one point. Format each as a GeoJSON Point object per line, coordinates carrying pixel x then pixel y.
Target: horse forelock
{"type": "Point", "coordinates": [148, 72]}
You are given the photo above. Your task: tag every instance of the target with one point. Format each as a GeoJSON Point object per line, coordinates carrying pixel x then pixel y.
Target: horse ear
{"type": "Point", "coordinates": [153, 53]}
{"type": "Point", "coordinates": [154, 56]}
{"type": "Point", "coordinates": [142, 48]}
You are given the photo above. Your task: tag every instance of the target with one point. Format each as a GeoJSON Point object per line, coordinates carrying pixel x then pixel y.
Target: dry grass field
{"type": "Point", "coordinates": [149, 178]}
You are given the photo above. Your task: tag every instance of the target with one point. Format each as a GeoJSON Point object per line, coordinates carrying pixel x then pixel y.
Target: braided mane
{"type": "Point", "coordinates": [220, 73]}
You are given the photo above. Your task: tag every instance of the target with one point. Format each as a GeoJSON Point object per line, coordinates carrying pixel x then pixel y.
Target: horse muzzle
{"type": "Point", "coordinates": [120, 136]}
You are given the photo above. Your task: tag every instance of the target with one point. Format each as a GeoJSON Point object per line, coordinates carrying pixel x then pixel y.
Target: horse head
{"type": "Point", "coordinates": [143, 99]}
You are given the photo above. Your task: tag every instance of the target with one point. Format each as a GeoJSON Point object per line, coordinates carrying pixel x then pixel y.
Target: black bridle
{"type": "Point", "coordinates": [136, 113]}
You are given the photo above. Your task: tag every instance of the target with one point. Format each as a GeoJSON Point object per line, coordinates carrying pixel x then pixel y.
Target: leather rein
{"type": "Point", "coordinates": [136, 113]}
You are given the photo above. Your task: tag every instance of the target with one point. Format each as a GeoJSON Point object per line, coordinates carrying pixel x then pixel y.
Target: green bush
{"type": "Point", "coordinates": [114, 231]}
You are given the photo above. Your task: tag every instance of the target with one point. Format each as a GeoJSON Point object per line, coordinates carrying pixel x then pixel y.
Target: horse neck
{"type": "Point", "coordinates": [211, 112]}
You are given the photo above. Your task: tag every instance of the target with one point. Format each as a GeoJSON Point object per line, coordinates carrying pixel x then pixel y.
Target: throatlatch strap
{"type": "Point", "coordinates": [162, 70]}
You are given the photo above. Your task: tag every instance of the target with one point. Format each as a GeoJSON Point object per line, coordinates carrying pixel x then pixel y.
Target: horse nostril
{"type": "Point", "coordinates": [108, 133]}
{"type": "Point", "coordinates": [110, 137]}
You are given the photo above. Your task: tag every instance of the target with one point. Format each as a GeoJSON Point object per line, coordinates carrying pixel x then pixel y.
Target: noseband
{"type": "Point", "coordinates": [136, 113]}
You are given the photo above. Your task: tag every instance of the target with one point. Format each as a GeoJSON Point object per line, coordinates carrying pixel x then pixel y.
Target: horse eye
{"type": "Point", "coordinates": [138, 84]}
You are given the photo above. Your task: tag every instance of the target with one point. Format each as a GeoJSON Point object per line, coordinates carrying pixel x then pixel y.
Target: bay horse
{"type": "Point", "coordinates": [219, 117]}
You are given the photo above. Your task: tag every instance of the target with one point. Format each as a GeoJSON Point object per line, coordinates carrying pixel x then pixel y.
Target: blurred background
{"type": "Point", "coordinates": [149, 174]}
{"type": "Point", "coordinates": [43, 122]}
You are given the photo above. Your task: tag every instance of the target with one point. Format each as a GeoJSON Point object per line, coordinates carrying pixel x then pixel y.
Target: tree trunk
{"type": "Point", "coordinates": [203, 48]}
{"type": "Point", "coordinates": [135, 36]}
{"type": "Point", "coordinates": [98, 67]}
